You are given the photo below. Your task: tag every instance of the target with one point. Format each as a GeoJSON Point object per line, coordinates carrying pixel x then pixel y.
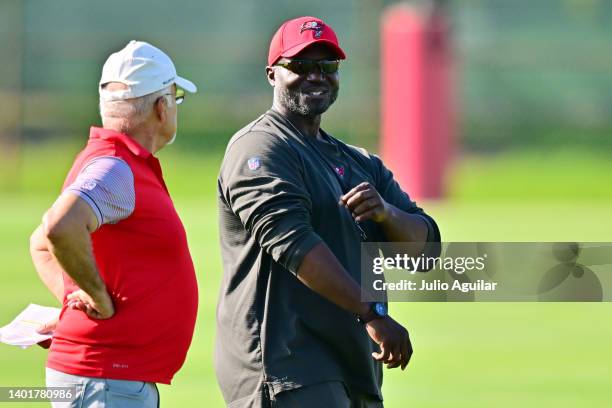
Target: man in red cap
{"type": "Point", "coordinates": [295, 204]}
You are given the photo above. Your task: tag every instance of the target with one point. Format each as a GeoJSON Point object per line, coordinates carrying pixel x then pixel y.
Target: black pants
{"type": "Point", "coordinates": [330, 394]}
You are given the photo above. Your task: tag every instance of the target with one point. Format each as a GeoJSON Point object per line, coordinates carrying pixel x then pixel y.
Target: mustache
{"type": "Point", "coordinates": [316, 87]}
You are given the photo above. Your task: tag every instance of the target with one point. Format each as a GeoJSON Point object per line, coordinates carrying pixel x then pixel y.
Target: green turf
{"type": "Point", "coordinates": [466, 355]}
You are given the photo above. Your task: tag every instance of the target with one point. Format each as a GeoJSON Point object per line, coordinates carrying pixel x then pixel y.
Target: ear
{"type": "Point", "coordinates": [271, 75]}
{"type": "Point", "coordinates": [161, 109]}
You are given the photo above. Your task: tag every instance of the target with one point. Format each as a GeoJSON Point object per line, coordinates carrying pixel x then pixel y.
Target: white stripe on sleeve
{"type": "Point", "coordinates": [106, 183]}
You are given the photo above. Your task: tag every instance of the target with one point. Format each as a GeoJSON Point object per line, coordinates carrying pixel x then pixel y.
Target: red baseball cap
{"type": "Point", "coordinates": [295, 35]}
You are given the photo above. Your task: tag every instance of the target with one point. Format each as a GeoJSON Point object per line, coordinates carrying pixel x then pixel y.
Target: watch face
{"type": "Point", "coordinates": [380, 309]}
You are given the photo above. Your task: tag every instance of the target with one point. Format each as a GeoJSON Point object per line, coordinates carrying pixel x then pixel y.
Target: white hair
{"type": "Point", "coordinates": [128, 113]}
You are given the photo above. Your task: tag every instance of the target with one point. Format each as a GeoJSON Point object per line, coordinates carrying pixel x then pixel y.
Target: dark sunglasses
{"type": "Point", "coordinates": [305, 67]}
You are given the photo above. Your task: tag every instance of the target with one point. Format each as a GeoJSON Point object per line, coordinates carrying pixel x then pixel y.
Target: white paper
{"type": "Point", "coordinates": [22, 330]}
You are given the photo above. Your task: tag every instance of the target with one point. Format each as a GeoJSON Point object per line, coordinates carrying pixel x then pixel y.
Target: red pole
{"type": "Point", "coordinates": [416, 87]}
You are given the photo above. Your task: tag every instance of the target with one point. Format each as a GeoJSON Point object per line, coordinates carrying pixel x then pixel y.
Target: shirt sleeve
{"type": "Point", "coordinates": [107, 185]}
{"type": "Point", "coordinates": [392, 193]}
{"type": "Point", "coordinates": [262, 182]}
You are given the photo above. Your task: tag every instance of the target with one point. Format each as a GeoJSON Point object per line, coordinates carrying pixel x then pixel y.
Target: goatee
{"type": "Point", "coordinates": [291, 100]}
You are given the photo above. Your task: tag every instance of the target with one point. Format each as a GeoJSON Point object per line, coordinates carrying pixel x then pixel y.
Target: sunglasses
{"type": "Point", "coordinates": [305, 67]}
{"type": "Point", "coordinates": [179, 97]}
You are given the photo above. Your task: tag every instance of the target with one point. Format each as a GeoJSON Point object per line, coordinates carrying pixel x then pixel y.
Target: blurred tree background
{"type": "Point", "coordinates": [531, 75]}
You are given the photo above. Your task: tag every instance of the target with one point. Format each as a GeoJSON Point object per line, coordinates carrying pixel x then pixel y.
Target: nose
{"type": "Point", "coordinates": [315, 74]}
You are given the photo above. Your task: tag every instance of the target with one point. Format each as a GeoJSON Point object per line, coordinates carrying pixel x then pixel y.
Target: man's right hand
{"type": "Point", "coordinates": [99, 306]}
{"type": "Point", "coordinates": [393, 340]}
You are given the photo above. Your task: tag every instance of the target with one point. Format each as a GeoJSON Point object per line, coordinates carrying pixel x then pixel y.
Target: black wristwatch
{"type": "Point", "coordinates": [377, 310]}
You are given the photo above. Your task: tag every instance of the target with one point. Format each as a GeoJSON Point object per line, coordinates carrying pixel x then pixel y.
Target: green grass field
{"type": "Point", "coordinates": [466, 355]}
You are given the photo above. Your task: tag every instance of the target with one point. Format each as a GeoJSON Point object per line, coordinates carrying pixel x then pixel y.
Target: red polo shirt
{"type": "Point", "coordinates": [145, 263]}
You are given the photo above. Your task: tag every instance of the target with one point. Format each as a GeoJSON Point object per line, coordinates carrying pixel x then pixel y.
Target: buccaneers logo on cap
{"type": "Point", "coordinates": [315, 26]}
